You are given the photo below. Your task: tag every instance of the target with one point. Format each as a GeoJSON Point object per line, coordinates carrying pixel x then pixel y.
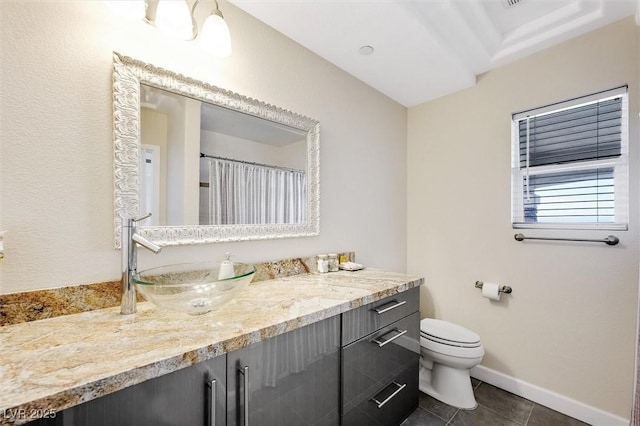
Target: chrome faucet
{"type": "Point", "coordinates": [130, 239]}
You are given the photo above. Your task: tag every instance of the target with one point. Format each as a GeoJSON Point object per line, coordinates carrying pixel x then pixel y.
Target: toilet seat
{"type": "Point", "coordinates": [469, 352]}
{"type": "Point", "coordinates": [447, 333]}
{"type": "Point", "coordinates": [449, 342]}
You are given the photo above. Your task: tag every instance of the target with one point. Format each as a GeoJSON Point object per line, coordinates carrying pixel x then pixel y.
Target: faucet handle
{"type": "Point", "coordinates": [146, 243]}
{"type": "Point", "coordinates": [141, 218]}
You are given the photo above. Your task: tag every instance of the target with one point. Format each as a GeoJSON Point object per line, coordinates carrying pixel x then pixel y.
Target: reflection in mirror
{"type": "Point", "coordinates": [202, 164]}
{"type": "Point", "coordinates": [209, 164]}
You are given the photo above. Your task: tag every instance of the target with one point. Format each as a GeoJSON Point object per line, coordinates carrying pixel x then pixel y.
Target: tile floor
{"type": "Point", "coordinates": [496, 407]}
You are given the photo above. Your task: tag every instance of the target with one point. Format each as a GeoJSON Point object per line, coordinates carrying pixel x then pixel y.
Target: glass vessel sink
{"type": "Point", "coordinates": [193, 288]}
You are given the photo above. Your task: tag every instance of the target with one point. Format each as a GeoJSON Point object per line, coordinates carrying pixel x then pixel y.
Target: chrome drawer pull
{"type": "Point", "coordinates": [245, 372]}
{"type": "Point", "coordinates": [397, 391]}
{"type": "Point", "coordinates": [395, 305]}
{"type": "Point", "coordinates": [212, 402]}
{"type": "Point", "coordinates": [384, 342]}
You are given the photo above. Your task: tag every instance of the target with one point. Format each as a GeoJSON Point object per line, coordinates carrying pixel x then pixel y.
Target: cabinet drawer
{"type": "Point", "coordinates": [373, 362]}
{"type": "Point", "coordinates": [366, 319]}
{"type": "Point", "coordinates": [389, 406]}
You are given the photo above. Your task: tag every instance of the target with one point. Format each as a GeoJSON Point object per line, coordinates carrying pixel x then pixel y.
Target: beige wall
{"type": "Point", "coordinates": [57, 155]}
{"type": "Point", "coordinates": [570, 324]}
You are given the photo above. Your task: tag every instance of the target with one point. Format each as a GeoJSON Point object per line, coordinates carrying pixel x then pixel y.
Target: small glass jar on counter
{"type": "Point", "coordinates": [323, 263]}
{"type": "Point", "coordinates": [333, 262]}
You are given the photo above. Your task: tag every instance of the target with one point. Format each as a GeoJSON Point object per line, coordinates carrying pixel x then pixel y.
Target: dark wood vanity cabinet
{"type": "Point", "coordinates": [380, 361]}
{"type": "Point", "coordinates": [358, 368]}
{"type": "Point", "coordinates": [291, 379]}
{"type": "Point", "coordinates": [184, 397]}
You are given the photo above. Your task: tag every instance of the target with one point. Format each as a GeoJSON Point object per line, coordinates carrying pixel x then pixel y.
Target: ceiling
{"type": "Point", "coordinates": [222, 120]}
{"type": "Point", "coordinates": [237, 124]}
{"type": "Point", "coordinates": [425, 49]}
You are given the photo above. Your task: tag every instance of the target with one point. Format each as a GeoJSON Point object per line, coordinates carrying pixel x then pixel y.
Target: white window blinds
{"type": "Point", "coordinates": [570, 162]}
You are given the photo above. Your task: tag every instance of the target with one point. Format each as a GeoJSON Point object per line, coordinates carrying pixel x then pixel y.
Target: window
{"type": "Point", "coordinates": [569, 164]}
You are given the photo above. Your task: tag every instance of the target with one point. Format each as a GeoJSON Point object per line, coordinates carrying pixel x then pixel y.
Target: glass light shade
{"type": "Point", "coordinates": [214, 36]}
{"type": "Point", "coordinates": [173, 17]}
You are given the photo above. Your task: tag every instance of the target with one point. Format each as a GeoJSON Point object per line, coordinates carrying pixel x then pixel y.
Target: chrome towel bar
{"type": "Point", "coordinates": [503, 289]}
{"type": "Point", "coordinates": [610, 240]}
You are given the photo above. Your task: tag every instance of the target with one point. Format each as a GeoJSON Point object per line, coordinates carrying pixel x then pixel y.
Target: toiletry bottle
{"type": "Point", "coordinates": [323, 263]}
{"type": "Point", "coordinates": [333, 262]}
{"type": "Point", "coordinates": [226, 268]}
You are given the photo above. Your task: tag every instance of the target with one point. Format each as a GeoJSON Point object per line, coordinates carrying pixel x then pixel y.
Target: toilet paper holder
{"type": "Point", "coordinates": [503, 289]}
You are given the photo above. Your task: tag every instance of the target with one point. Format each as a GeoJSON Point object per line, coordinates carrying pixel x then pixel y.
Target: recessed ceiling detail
{"type": "Point", "coordinates": [366, 50]}
{"type": "Point", "coordinates": [428, 49]}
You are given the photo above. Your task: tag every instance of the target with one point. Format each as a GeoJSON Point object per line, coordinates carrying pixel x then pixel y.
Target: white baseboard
{"type": "Point", "coordinates": [565, 405]}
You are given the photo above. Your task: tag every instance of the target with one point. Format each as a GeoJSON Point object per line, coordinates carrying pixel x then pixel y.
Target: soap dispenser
{"type": "Point", "coordinates": [226, 268]}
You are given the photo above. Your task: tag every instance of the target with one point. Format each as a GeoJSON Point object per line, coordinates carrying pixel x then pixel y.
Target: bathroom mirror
{"type": "Point", "coordinates": [210, 164]}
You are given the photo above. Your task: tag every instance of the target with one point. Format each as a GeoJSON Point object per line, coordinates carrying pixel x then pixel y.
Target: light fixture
{"type": "Point", "coordinates": [174, 18]}
{"type": "Point", "coordinates": [214, 36]}
{"type": "Point", "coordinates": [366, 50]}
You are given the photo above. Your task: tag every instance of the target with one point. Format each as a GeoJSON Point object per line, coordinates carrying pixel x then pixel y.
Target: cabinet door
{"type": "Point", "coordinates": [179, 398]}
{"type": "Point", "coordinates": [291, 379]}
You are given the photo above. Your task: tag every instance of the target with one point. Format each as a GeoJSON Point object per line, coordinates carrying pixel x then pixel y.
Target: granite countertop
{"type": "Point", "coordinates": [53, 364]}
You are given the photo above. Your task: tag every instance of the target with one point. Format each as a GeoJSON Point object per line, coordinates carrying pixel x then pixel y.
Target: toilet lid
{"type": "Point", "coordinates": [447, 332]}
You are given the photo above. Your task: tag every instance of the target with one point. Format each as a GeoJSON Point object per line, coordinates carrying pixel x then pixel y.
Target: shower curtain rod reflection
{"type": "Point", "coordinates": [288, 169]}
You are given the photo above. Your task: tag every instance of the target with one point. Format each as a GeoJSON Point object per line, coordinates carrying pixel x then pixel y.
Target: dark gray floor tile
{"type": "Point", "coordinates": [421, 417]}
{"type": "Point", "coordinates": [481, 416]}
{"type": "Point", "coordinates": [502, 402]}
{"type": "Point", "coordinates": [436, 407]}
{"type": "Point", "coordinates": [543, 416]}
{"type": "Point", "coordinates": [475, 383]}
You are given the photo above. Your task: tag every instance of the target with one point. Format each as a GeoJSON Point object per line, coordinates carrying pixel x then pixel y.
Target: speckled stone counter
{"type": "Point", "coordinates": [52, 364]}
{"type": "Point", "coordinates": [48, 303]}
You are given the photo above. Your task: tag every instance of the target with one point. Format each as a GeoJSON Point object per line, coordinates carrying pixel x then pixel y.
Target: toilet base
{"type": "Point", "coordinates": [449, 385]}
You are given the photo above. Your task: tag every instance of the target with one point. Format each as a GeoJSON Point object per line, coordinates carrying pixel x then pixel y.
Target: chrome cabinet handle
{"type": "Point", "coordinates": [384, 342]}
{"type": "Point", "coordinates": [212, 402]}
{"type": "Point", "coordinates": [245, 372]}
{"type": "Point", "coordinates": [396, 304]}
{"type": "Point", "coordinates": [390, 397]}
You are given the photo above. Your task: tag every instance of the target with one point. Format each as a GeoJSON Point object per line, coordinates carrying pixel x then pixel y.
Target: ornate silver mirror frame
{"type": "Point", "coordinates": [128, 74]}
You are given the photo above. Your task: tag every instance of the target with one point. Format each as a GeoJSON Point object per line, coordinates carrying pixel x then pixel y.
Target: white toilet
{"type": "Point", "coordinates": [447, 353]}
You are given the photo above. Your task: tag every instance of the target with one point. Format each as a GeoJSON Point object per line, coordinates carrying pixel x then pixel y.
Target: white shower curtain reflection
{"type": "Point", "coordinates": [298, 351]}
{"type": "Point", "coordinates": [242, 193]}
